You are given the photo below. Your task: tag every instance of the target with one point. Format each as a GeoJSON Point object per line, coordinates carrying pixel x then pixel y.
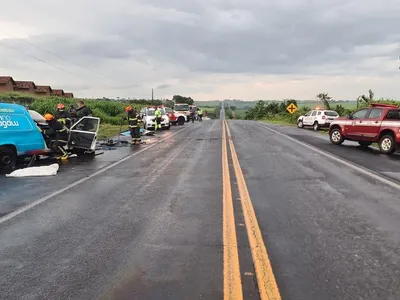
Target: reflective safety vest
{"type": "Point", "coordinates": [200, 112]}
{"type": "Point", "coordinates": [133, 120]}
{"type": "Point", "coordinates": [158, 113]}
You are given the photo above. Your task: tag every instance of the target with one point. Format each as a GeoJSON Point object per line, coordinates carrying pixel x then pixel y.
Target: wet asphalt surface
{"type": "Point", "coordinates": [151, 227]}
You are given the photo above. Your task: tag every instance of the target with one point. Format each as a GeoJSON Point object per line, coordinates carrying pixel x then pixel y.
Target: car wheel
{"type": "Point", "coordinates": [316, 126]}
{"type": "Point", "coordinates": [8, 159]}
{"type": "Point", "coordinates": [387, 144]}
{"type": "Point", "coordinates": [336, 136]}
{"type": "Point", "coordinates": [181, 120]}
{"type": "Point", "coordinates": [364, 144]}
{"type": "Point", "coordinates": [300, 124]}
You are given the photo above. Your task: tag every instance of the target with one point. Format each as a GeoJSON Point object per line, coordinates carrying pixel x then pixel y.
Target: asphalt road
{"type": "Point", "coordinates": [162, 224]}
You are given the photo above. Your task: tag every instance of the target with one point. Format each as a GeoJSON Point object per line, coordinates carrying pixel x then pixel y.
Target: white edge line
{"type": "Point", "coordinates": [335, 158]}
{"type": "Point", "coordinates": [45, 198]}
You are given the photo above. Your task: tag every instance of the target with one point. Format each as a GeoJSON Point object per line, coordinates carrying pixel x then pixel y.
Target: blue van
{"type": "Point", "coordinates": [21, 136]}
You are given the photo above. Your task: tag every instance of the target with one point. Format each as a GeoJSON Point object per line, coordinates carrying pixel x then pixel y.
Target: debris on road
{"type": "Point", "coordinates": [50, 170]}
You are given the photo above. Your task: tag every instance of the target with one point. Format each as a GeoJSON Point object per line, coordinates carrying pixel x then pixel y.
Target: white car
{"type": "Point", "coordinates": [317, 118]}
{"type": "Point", "coordinates": [149, 119]}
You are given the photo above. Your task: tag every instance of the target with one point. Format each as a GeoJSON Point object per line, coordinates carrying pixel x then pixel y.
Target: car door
{"type": "Point", "coordinates": [310, 119]}
{"type": "Point", "coordinates": [372, 123]}
{"type": "Point", "coordinates": [305, 117]}
{"type": "Point", "coordinates": [355, 127]}
{"type": "Point", "coordinates": [83, 134]}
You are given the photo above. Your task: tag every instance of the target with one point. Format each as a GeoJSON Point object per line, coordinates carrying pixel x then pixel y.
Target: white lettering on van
{"type": "Point", "coordinates": [6, 121]}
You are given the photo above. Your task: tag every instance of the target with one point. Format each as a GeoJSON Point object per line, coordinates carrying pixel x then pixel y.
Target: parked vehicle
{"type": "Point", "coordinates": [317, 118]}
{"type": "Point", "coordinates": [175, 118]}
{"type": "Point", "coordinates": [183, 108]}
{"type": "Point", "coordinates": [149, 120]}
{"type": "Point", "coordinates": [378, 123]}
{"type": "Point", "coordinates": [21, 135]}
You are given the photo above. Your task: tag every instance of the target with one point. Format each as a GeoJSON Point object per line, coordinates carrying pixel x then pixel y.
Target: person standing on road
{"type": "Point", "coordinates": [158, 115]}
{"type": "Point", "coordinates": [57, 133]}
{"type": "Point", "coordinates": [133, 123]}
{"type": "Point", "coordinates": [83, 110]}
{"type": "Point", "coordinates": [73, 114]}
{"type": "Point", "coordinates": [200, 114]}
{"type": "Point", "coordinates": [63, 116]}
{"type": "Point", "coordinates": [192, 114]}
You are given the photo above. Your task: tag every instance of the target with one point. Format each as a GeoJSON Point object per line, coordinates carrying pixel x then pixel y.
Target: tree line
{"type": "Point", "coordinates": [277, 110]}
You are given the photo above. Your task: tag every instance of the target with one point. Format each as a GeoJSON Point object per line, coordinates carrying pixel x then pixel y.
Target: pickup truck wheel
{"type": "Point", "coordinates": [181, 120]}
{"type": "Point", "coordinates": [316, 126]}
{"type": "Point", "coordinates": [8, 159]}
{"type": "Point", "coordinates": [387, 144]}
{"type": "Point", "coordinates": [364, 144]}
{"type": "Point", "coordinates": [336, 136]}
{"type": "Point", "coordinates": [300, 124]}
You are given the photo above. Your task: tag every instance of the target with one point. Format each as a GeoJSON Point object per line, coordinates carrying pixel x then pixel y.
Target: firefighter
{"type": "Point", "coordinates": [200, 114]}
{"type": "Point", "coordinates": [63, 116]}
{"type": "Point", "coordinates": [58, 136]}
{"type": "Point", "coordinates": [73, 114]}
{"type": "Point", "coordinates": [133, 123]}
{"type": "Point", "coordinates": [158, 115]}
{"type": "Point", "coordinates": [83, 110]}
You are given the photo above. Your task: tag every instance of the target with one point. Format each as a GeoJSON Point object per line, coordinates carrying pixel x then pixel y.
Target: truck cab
{"type": "Point", "coordinates": [183, 108]}
{"type": "Point", "coordinates": [21, 134]}
{"type": "Point", "coordinates": [379, 123]}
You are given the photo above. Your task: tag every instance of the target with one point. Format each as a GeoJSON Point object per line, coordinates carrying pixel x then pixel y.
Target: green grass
{"type": "Point", "coordinates": [240, 112]}
{"type": "Point", "coordinates": [108, 130]}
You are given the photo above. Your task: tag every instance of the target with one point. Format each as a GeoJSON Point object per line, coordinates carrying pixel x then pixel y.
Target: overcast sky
{"type": "Point", "coordinates": [206, 49]}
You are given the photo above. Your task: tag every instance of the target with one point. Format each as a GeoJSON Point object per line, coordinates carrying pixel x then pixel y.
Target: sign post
{"type": "Point", "coordinates": [291, 108]}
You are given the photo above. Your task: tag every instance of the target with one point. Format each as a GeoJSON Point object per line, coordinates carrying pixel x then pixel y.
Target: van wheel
{"type": "Point", "coordinates": [8, 159]}
{"type": "Point", "coordinates": [387, 144]}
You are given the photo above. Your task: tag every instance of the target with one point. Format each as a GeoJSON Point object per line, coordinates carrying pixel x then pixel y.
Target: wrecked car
{"type": "Point", "coordinates": [21, 135]}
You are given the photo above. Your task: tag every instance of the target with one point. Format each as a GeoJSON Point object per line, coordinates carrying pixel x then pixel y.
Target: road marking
{"type": "Point", "coordinates": [353, 166]}
{"type": "Point", "coordinates": [232, 279]}
{"type": "Point", "coordinates": [54, 194]}
{"type": "Point", "coordinates": [267, 285]}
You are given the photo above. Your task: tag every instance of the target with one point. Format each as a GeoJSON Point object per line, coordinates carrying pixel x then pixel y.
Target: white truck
{"type": "Point", "coordinates": [317, 118]}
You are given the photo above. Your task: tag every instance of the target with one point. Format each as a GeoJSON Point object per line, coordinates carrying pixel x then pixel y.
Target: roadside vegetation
{"type": "Point", "coordinates": [275, 112]}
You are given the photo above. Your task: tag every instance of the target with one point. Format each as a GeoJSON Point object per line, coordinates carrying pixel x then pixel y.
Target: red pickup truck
{"type": "Point", "coordinates": [378, 123]}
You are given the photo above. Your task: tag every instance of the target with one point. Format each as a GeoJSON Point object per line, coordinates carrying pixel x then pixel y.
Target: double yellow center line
{"type": "Point", "coordinates": [268, 289]}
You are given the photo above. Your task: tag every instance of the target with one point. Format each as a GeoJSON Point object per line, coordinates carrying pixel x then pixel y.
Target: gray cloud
{"type": "Point", "coordinates": [146, 43]}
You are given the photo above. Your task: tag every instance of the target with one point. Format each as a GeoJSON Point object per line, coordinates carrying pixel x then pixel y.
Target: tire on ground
{"type": "Point", "coordinates": [300, 124]}
{"type": "Point", "coordinates": [387, 144]}
{"type": "Point", "coordinates": [336, 136]}
{"type": "Point", "coordinates": [8, 159]}
{"type": "Point", "coordinates": [181, 120]}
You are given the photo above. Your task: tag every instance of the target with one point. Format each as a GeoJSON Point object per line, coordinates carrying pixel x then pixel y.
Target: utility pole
{"type": "Point", "coordinates": [152, 96]}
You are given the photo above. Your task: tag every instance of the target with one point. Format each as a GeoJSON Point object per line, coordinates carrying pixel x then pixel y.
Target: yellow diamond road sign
{"type": "Point", "coordinates": [291, 108]}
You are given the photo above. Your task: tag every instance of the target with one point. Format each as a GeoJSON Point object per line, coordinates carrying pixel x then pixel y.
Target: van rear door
{"type": "Point", "coordinates": [83, 134]}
